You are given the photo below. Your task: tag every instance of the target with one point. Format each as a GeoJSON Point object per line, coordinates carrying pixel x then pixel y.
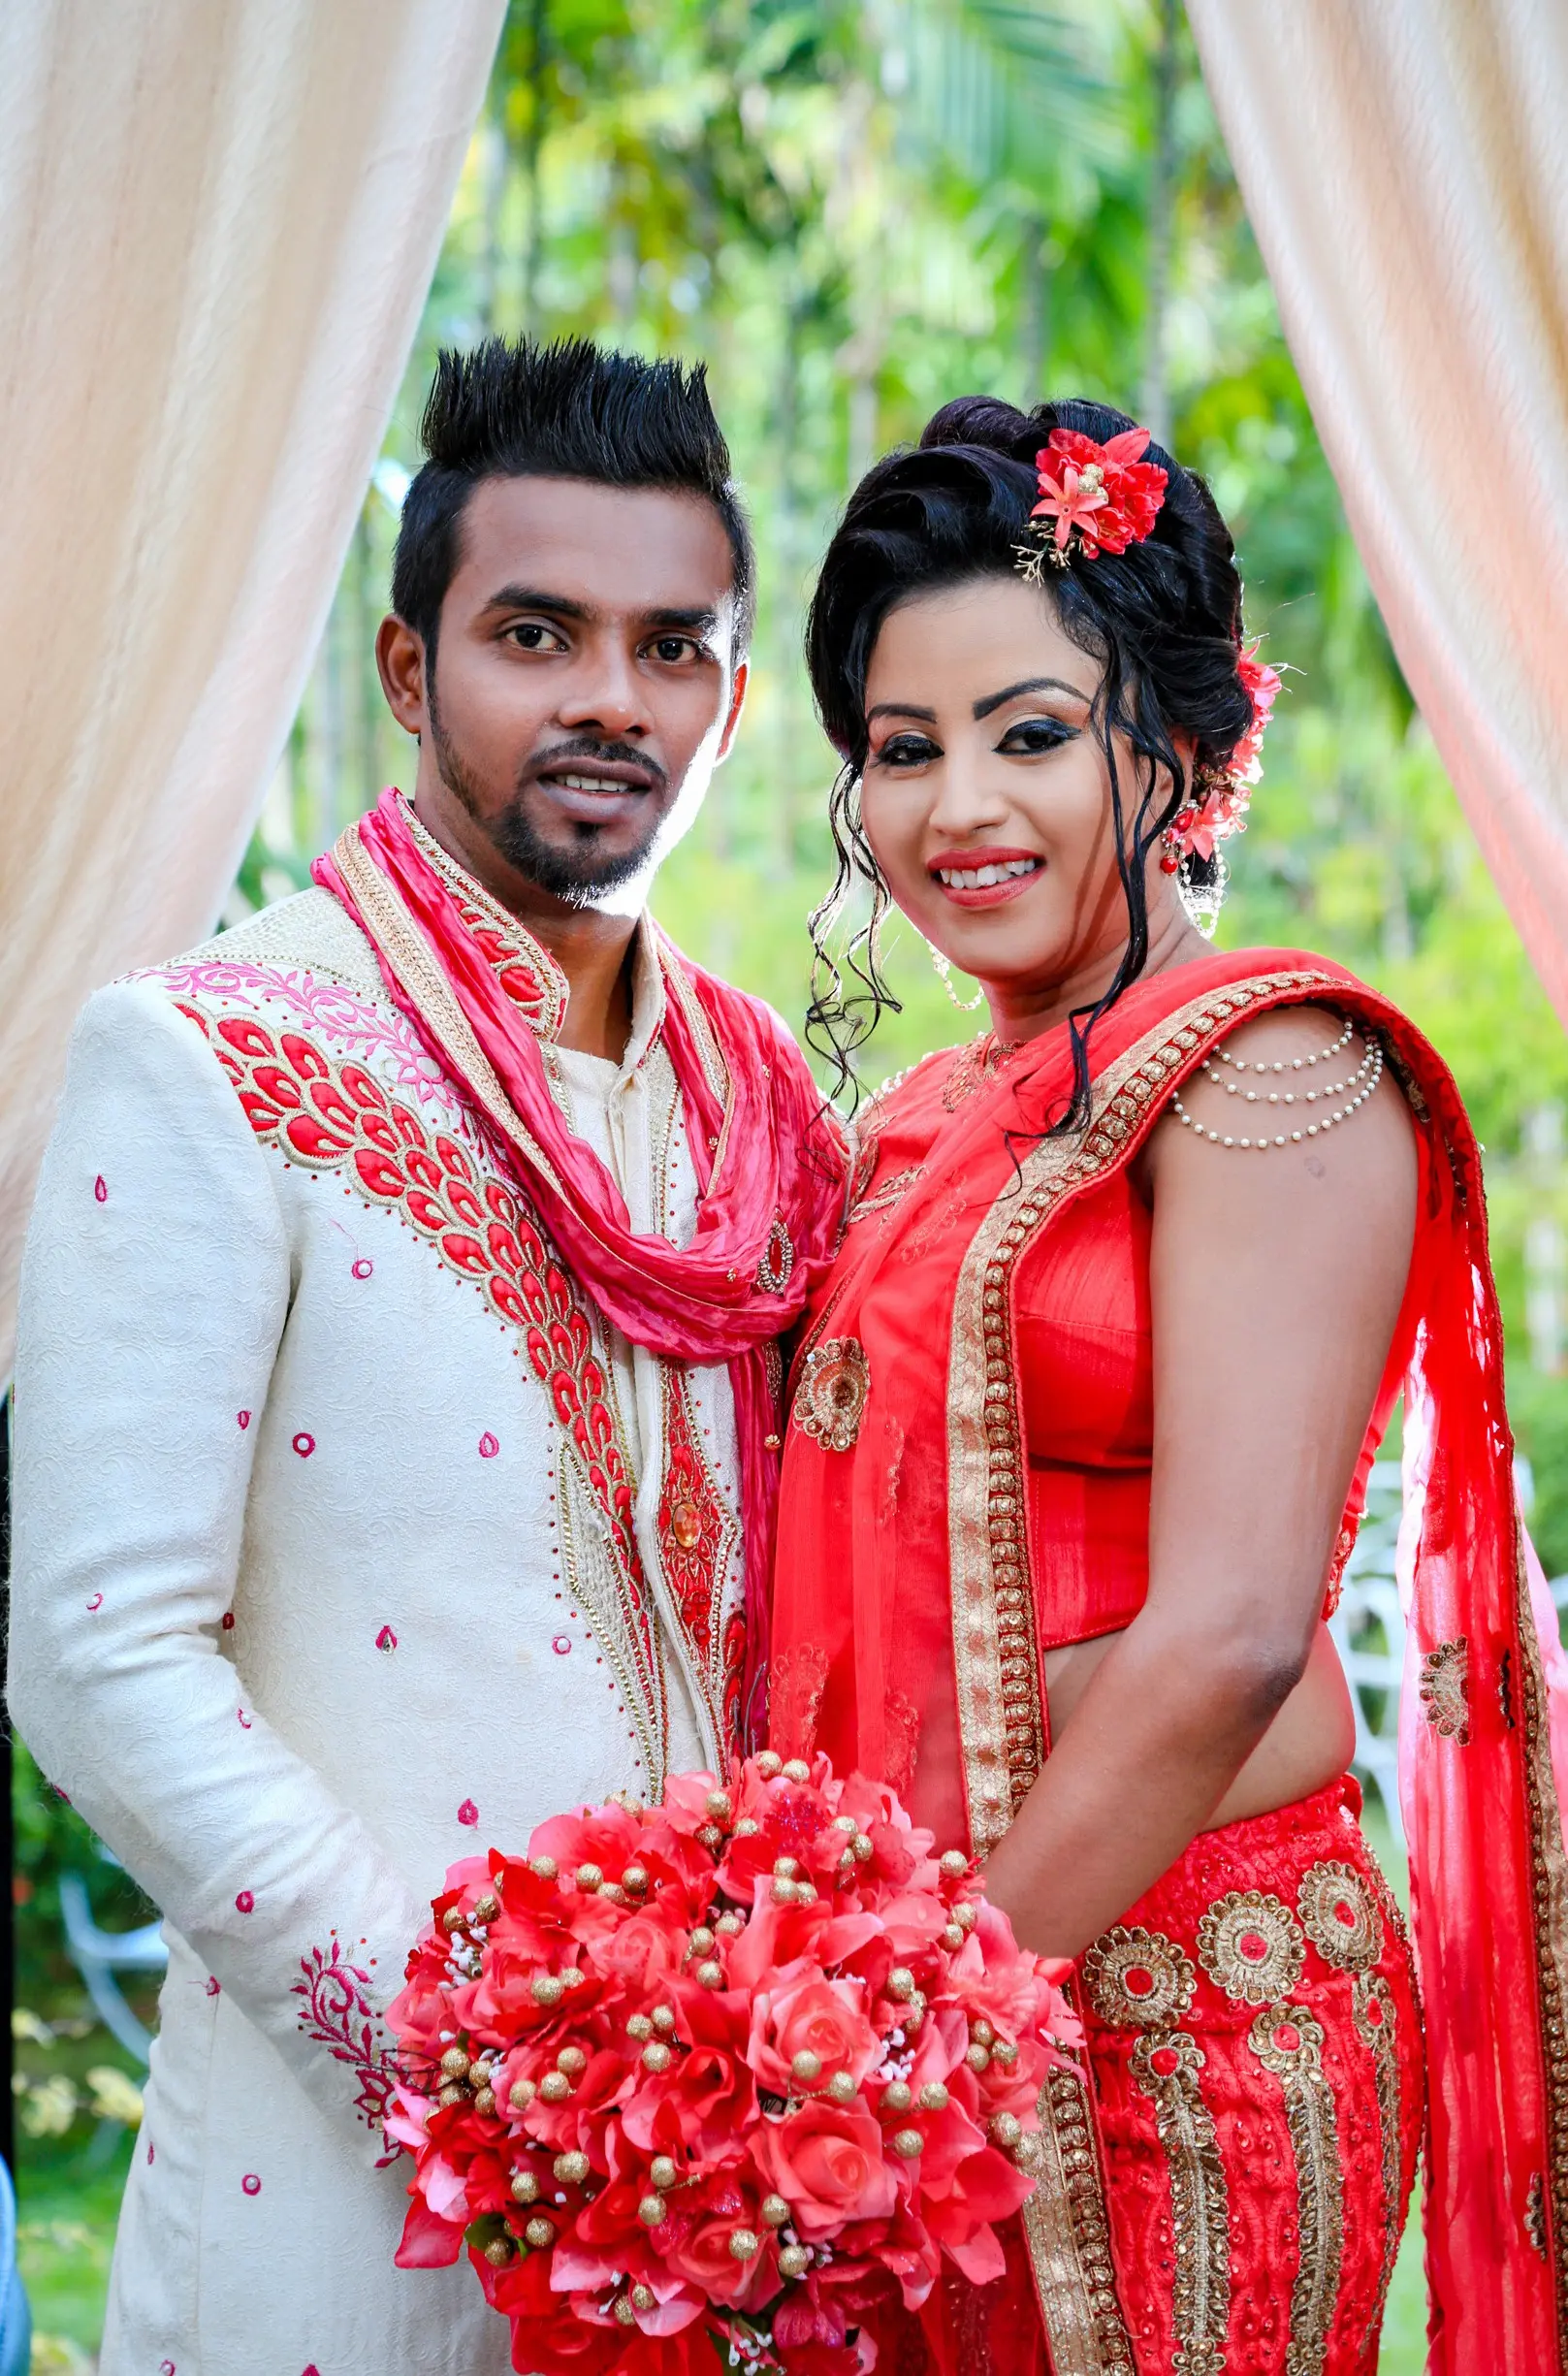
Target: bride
{"type": "Point", "coordinates": [1081, 1428]}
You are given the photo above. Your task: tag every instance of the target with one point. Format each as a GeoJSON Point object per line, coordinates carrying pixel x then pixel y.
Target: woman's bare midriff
{"type": "Point", "coordinates": [1308, 1744]}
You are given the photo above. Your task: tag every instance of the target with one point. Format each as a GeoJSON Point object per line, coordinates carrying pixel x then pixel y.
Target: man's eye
{"type": "Point", "coordinates": [532, 635]}
{"type": "Point", "coordinates": [1035, 734]}
{"type": "Point", "coordinates": [673, 649]}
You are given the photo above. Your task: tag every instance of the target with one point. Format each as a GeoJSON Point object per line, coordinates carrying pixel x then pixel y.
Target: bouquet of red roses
{"type": "Point", "coordinates": [746, 2065]}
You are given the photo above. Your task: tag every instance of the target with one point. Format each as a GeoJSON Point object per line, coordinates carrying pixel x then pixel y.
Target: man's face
{"type": "Point", "coordinates": [584, 683]}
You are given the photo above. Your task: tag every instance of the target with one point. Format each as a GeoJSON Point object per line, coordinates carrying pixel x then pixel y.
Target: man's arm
{"type": "Point", "coordinates": [156, 1289]}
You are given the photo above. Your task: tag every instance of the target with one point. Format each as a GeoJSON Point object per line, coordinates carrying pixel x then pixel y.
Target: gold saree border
{"type": "Point", "coordinates": [1548, 1885]}
{"type": "Point", "coordinates": [1002, 1712]}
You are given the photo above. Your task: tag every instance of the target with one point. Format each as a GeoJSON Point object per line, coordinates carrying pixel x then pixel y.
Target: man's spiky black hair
{"type": "Point", "coordinates": [567, 411]}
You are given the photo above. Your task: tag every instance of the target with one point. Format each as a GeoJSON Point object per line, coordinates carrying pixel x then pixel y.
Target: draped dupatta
{"type": "Point", "coordinates": [769, 1161]}
{"type": "Point", "coordinates": [905, 1622]}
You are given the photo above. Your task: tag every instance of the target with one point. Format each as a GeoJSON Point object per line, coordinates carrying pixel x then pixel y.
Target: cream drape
{"type": "Point", "coordinates": [218, 221]}
{"type": "Point", "coordinates": [1405, 167]}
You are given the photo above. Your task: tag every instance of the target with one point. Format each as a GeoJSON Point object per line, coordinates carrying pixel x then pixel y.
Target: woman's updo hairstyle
{"type": "Point", "coordinates": [1164, 618]}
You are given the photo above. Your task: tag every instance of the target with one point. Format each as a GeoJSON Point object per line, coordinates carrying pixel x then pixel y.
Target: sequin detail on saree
{"type": "Point", "coordinates": [830, 1400]}
{"type": "Point", "coordinates": [1255, 2052]}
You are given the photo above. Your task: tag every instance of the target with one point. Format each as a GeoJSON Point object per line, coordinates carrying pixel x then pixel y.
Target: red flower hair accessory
{"type": "Point", "coordinates": [1093, 499]}
{"type": "Point", "coordinates": [1222, 793]}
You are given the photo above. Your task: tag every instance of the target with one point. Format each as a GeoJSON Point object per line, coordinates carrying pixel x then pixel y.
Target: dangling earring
{"type": "Point", "coordinates": [943, 970]}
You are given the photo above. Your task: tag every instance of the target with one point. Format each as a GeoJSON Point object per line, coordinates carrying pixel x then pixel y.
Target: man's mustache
{"type": "Point", "coordinates": [585, 750]}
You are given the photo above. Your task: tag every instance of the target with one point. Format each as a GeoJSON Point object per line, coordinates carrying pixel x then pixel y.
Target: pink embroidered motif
{"type": "Point", "coordinates": [362, 1268]}
{"type": "Point", "coordinates": [488, 1446]}
{"type": "Point", "coordinates": [243, 1418]}
{"type": "Point", "coordinates": [304, 1445]}
{"type": "Point", "coordinates": [468, 1812]}
{"type": "Point", "coordinates": [386, 1639]}
{"type": "Point", "coordinates": [562, 1645]}
{"type": "Point", "coordinates": [243, 1718]}
{"type": "Point", "coordinates": [214, 1987]}
{"type": "Point", "coordinates": [149, 2150]}
{"type": "Point", "coordinates": [371, 1031]}
{"type": "Point", "coordinates": [245, 1902]}
{"type": "Point", "coordinates": [339, 2015]}
{"type": "Point", "coordinates": [166, 2368]}
{"type": "Point", "coordinates": [100, 1188]}
{"type": "Point", "coordinates": [251, 2183]}
{"type": "Point", "coordinates": [96, 1602]}
{"type": "Point", "coordinates": [228, 1621]}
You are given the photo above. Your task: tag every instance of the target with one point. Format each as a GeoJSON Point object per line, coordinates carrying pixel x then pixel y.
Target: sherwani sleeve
{"type": "Point", "coordinates": [156, 1288]}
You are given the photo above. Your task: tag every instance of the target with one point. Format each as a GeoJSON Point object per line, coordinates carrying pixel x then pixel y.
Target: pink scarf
{"type": "Point", "coordinates": [769, 1160]}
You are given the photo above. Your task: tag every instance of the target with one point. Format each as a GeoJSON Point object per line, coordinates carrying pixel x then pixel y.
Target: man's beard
{"type": "Point", "coordinates": [582, 871]}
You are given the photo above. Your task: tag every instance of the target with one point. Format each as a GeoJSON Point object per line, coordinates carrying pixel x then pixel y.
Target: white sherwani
{"type": "Point", "coordinates": [349, 1541]}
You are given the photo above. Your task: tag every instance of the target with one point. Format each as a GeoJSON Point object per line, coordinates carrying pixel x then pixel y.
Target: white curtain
{"type": "Point", "coordinates": [218, 221]}
{"type": "Point", "coordinates": [1405, 167]}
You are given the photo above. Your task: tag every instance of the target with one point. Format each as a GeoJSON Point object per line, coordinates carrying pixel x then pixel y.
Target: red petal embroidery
{"type": "Point", "coordinates": [386, 1639]}
{"type": "Point", "coordinates": [304, 1445]}
{"type": "Point", "coordinates": [243, 1718]}
{"type": "Point", "coordinates": [214, 1988]}
{"type": "Point", "coordinates": [251, 2183]}
{"type": "Point", "coordinates": [96, 1602]}
{"type": "Point", "coordinates": [488, 1446]}
{"type": "Point", "coordinates": [243, 1418]}
{"type": "Point", "coordinates": [100, 1188]}
{"type": "Point", "coordinates": [362, 1268]}
{"type": "Point", "coordinates": [468, 1813]}
{"type": "Point", "coordinates": [245, 1902]}
{"type": "Point", "coordinates": [377, 1138]}
{"type": "Point", "coordinates": [562, 1645]}
{"type": "Point", "coordinates": [228, 1621]}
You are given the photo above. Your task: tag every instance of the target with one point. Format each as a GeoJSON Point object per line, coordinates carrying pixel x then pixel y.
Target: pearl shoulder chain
{"type": "Point", "coordinates": [1362, 1082]}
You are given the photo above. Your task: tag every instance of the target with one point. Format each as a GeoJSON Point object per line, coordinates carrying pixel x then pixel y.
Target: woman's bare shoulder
{"type": "Point", "coordinates": [1295, 1101]}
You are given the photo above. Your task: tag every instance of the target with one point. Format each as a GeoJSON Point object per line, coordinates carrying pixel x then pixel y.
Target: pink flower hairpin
{"type": "Point", "coordinates": [1093, 499]}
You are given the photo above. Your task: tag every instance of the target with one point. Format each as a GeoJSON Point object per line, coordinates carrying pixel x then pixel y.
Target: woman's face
{"type": "Point", "coordinates": [986, 793]}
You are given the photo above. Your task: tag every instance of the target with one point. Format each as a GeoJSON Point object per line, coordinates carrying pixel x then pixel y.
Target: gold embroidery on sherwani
{"type": "Point", "coordinates": [996, 1656]}
{"type": "Point", "coordinates": [1287, 2040]}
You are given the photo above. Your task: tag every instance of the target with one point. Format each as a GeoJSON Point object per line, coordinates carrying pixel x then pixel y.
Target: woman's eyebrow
{"type": "Point", "coordinates": [903, 709]}
{"type": "Point", "coordinates": [1025, 684]}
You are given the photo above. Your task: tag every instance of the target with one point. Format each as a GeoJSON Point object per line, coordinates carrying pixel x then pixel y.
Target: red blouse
{"type": "Point", "coordinates": [1086, 1377]}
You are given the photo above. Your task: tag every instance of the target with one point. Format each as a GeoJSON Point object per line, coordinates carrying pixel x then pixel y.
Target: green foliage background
{"type": "Point", "coordinates": [852, 214]}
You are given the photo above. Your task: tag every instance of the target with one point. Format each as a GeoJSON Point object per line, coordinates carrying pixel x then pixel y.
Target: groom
{"type": "Point", "coordinates": [396, 1405]}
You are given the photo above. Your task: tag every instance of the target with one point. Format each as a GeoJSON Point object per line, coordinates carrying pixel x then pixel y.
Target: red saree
{"type": "Point", "coordinates": [908, 1625]}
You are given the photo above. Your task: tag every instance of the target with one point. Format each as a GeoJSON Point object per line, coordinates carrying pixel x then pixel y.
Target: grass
{"type": "Point", "coordinates": [64, 2238]}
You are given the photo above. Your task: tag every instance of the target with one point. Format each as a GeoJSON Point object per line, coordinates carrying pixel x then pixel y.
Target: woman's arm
{"type": "Point", "coordinates": [1276, 1280]}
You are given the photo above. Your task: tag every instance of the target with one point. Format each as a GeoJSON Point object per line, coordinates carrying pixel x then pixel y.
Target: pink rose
{"type": "Point", "coordinates": [826, 2161]}
{"type": "Point", "coordinates": [817, 2016]}
{"type": "Point", "coordinates": [694, 2244]}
